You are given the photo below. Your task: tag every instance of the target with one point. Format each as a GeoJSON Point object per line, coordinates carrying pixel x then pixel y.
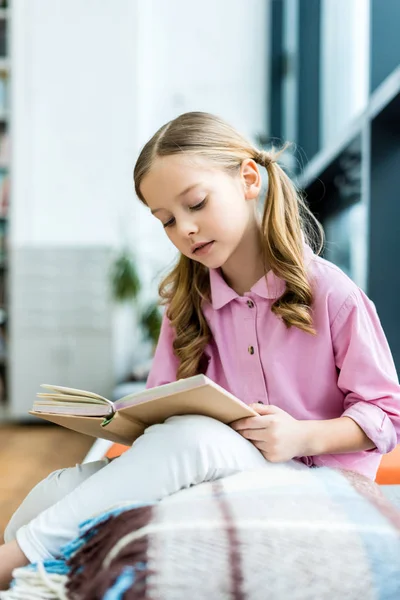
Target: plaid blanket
{"type": "Point", "coordinates": [279, 534]}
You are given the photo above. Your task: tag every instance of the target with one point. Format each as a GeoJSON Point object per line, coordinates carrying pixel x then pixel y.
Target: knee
{"type": "Point", "coordinates": [195, 431]}
{"type": "Point", "coordinates": [199, 427]}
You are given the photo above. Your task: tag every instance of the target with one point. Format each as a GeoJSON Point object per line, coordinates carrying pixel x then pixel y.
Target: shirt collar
{"type": "Point", "coordinates": [268, 287]}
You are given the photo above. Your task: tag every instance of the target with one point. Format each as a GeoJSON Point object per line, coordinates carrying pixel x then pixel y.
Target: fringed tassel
{"type": "Point", "coordinates": [41, 580]}
{"type": "Point", "coordinates": [88, 528]}
{"type": "Point", "coordinates": [88, 578]}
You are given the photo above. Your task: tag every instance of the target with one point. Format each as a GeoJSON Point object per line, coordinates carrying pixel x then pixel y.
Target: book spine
{"type": "Point", "coordinates": [109, 416]}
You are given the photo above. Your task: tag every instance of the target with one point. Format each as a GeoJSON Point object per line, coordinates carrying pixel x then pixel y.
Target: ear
{"type": "Point", "coordinates": [251, 178]}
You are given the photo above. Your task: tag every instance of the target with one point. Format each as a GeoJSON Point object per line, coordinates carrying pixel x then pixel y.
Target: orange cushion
{"type": "Point", "coordinates": [389, 469]}
{"type": "Point", "coordinates": [116, 450]}
{"type": "Point", "coordinates": [388, 472]}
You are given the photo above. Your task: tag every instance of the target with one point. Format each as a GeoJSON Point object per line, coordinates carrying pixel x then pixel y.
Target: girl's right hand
{"type": "Point", "coordinates": [279, 436]}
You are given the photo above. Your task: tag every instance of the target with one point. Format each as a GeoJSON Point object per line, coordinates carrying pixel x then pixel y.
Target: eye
{"type": "Point", "coordinates": [199, 206]}
{"type": "Point", "coordinates": [169, 223]}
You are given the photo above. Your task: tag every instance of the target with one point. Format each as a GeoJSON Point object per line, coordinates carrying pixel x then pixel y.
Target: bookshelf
{"type": "Point", "coordinates": [352, 185]}
{"type": "Point", "coordinates": [4, 195]}
{"type": "Point", "coordinates": [345, 121]}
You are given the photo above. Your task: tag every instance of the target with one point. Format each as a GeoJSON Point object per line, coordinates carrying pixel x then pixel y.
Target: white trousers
{"type": "Point", "coordinates": [184, 451]}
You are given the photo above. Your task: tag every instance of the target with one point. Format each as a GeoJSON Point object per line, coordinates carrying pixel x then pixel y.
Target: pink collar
{"type": "Point", "coordinates": [269, 286]}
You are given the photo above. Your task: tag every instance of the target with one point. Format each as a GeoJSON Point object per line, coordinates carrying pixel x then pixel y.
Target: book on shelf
{"type": "Point", "coordinates": [4, 194]}
{"type": "Point", "coordinates": [124, 420]}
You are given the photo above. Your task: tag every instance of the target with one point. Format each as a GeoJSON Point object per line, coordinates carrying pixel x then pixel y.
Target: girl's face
{"type": "Point", "coordinates": [206, 212]}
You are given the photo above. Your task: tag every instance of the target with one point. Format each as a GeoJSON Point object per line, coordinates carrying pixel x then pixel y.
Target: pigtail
{"type": "Point", "coordinates": [283, 235]}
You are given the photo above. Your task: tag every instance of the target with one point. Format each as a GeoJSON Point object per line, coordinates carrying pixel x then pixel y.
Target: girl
{"type": "Point", "coordinates": [254, 308]}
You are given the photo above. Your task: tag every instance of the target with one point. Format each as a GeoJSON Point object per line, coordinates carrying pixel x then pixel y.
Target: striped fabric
{"type": "Point", "coordinates": [266, 534]}
{"type": "Point", "coordinates": [307, 535]}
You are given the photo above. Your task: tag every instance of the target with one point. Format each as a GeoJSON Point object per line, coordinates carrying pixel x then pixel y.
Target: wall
{"type": "Point", "coordinates": [74, 120]}
{"type": "Point", "coordinates": [344, 65]}
{"type": "Point", "coordinates": [209, 57]}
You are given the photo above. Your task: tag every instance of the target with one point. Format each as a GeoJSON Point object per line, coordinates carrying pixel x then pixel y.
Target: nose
{"type": "Point", "coordinates": [187, 227]}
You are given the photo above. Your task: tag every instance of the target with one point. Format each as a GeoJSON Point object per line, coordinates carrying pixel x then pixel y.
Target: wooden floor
{"type": "Point", "coordinates": [28, 453]}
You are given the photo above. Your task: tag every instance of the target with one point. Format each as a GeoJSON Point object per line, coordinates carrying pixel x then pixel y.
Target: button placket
{"type": "Point", "coordinates": [250, 348]}
{"type": "Point", "coordinates": [259, 387]}
{"type": "Point", "coordinates": [250, 304]}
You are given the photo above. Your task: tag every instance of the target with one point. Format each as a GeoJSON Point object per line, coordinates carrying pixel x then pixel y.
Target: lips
{"type": "Point", "coordinates": [199, 246]}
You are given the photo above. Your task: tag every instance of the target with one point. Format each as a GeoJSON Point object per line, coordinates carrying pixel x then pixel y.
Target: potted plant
{"type": "Point", "coordinates": [126, 286]}
{"type": "Point", "coordinates": [151, 322]}
{"type": "Point", "coordinates": [125, 282]}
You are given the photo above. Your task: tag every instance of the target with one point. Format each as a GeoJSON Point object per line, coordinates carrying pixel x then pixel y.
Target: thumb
{"type": "Point", "coordinates": [265, 409]}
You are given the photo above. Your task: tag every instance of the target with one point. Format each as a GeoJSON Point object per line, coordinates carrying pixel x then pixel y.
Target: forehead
{"type": "Point", "coordinates": [169, 176]}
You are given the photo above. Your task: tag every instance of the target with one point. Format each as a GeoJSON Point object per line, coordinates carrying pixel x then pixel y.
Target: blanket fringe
{"type": "Point", "coordinates": [87, 578]}
{"type": "Point", "coordinates": [34, 582]}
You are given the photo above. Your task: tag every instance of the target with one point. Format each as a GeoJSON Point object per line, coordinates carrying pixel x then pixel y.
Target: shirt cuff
{"type": "Point", "coordinates": [375, 423]}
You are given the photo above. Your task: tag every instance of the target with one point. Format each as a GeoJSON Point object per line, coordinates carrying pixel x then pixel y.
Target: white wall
{"type": "Point", "coordinates": [91, 82]}
{"type": "Point", "coordinates": [211, 57]}
{"type": "Point", "coordinates": [74, 125]}
{"type": "Point", "coordinates": [74, 116]}
{"type": "Point", "coordinates": [344, 60]}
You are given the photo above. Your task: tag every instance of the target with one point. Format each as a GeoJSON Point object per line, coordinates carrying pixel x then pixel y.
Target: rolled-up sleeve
{"type": "Point", "coordinates": [367, 374]}
{"type": "Point", "coordinates": [165, 364]}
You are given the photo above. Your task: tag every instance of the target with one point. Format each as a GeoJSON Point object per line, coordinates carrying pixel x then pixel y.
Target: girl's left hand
{"type": "Point", "coordinates": [275, 433]}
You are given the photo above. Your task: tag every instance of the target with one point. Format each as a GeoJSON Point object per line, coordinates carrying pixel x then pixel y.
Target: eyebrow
{"type": "Point", "coordinates": [183, 193]}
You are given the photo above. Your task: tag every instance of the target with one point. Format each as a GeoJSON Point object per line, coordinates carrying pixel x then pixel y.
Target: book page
{"type": "Point", "coordinates": [72, 408]}
{"type": "Point", "coordinates": [74, 392]}
{"type": "Point", "coordinates": [61, 399]}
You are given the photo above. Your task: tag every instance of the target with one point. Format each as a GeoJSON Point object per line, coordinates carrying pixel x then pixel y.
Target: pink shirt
{"type": "Point", "coordinates": [346, 369]}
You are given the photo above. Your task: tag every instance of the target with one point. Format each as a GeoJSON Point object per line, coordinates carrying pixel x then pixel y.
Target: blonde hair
{"type": "Point", "coordinates": [285, 226]}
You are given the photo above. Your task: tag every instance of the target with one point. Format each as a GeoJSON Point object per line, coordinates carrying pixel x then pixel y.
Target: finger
{"type": "Point", "coordinates": [248, 423]}
{"type": "Point", "coordinates": [254, 435]}
{"type": "Point", "coordinates": [261, 445]}
{"type": "Point", "coordinates": [270, 454]}
{"type": "Point", "coordinates": [266, 409]}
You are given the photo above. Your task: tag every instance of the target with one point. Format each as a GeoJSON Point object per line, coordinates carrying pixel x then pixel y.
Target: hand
{"type": "Point", "coordinates": [274, 432]}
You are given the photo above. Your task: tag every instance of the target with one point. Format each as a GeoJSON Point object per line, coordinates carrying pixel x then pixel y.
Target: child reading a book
{"type": "Point", "coordinates": [250, 305]}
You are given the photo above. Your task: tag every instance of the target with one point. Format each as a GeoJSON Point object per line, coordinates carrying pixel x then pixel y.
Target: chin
{"type": "Point", "coordinates": [214, 262]}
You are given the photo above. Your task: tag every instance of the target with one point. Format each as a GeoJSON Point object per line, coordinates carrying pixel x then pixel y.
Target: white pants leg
{"type": "Point", "coordinates": [184, 451]}
{"type": "Point", "coordinates": [49, 491]}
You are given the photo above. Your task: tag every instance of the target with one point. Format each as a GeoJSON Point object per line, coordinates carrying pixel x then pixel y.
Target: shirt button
{"type": "Point", "coordinates": [250, 303]}
{"type": "Point", "coordinates": [251, 349]}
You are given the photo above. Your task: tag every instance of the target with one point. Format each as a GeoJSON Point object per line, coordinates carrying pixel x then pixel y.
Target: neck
{"type": "Point", "coordinates": [245, 267]}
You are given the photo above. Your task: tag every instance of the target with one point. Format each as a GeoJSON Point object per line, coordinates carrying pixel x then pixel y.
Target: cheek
{"type": "Point", "coordinates": [170, 235]}
{"type": "Point", "coordinates": [232, 204]}
{"type": "Point", "coordinates": [235, 218]}
{"type": "Point", "coordinates": [173, 238]}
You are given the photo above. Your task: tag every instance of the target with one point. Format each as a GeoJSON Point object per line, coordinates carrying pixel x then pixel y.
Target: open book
{"type": "Point", "coordinates": [126, 419]}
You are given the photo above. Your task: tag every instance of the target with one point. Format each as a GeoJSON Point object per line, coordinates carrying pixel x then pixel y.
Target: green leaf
{"type": "Point", "coordinates": [151, 322]}
{"type": "Point", "coordinates": [125, 283]}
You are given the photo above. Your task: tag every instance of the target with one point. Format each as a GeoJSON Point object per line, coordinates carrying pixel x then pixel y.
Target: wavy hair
{"type": "Point", "coordinates": [286, 224]}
